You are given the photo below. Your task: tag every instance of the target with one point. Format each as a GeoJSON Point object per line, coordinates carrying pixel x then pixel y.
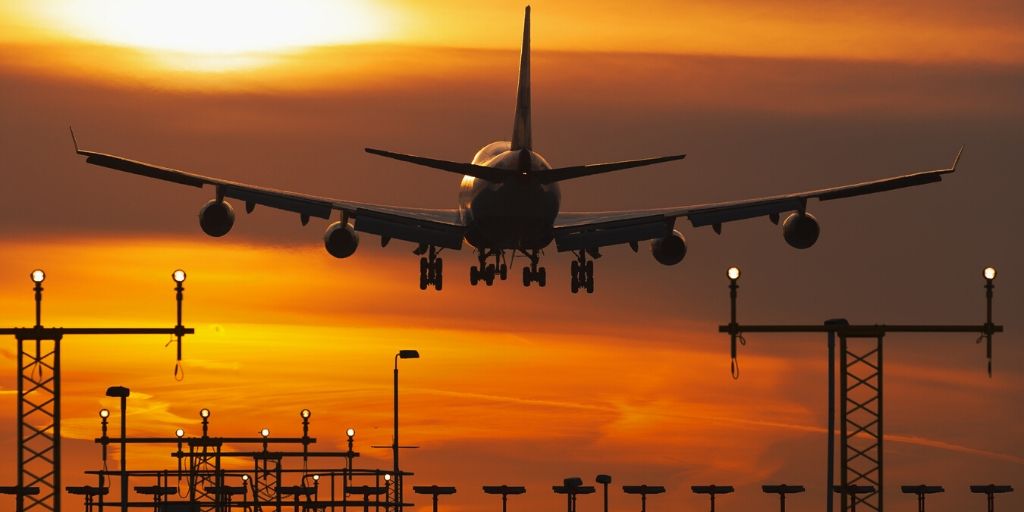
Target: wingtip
{"type": "Point", "coordinates": [957, 159]}
{"type": "Point", "coordinates": [73, 139]}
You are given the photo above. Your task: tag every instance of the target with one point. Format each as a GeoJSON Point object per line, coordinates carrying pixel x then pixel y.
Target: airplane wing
{"type": "Point", "coordinates": [441, 228]}
{"type": "Point", "coordinates": [590, 230]}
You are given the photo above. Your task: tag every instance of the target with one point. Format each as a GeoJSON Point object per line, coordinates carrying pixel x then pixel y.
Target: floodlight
{"type": "Point", "coordinates": [265, 432]}
{"type": "Point", "coordinates": [573, 481]}
{"type": "Point", "coordinates": [305, 414]}
{"type": "Point", "coordinates": [603, 479]}
{"type": "Point", "coordinates": [38, 276]}
{"type": "Point", "coordinates": [178, 276]}
{"type": "Point", "coordinates": [922, 489]}
{"type": "Point", "coordinates": [712, 489]}
{"type": "Point", "coordinates": [782, 489]}
{"type": "Point", "coordinates": [387, 477]}
{"type": "Point", "coordinates": [245, 478]}
{"type": "Point", "coordinates": [733, 273]}
{"type": "Point", "coordinates": [643, 489]}
{"type": "Point", "coordinates": [504, 489]}
{"type": "Point", "coordinates": [104, 413]}
{"type": "Point", "coordinates": [433, 490]}
{"type": "Point", "coordinates": [179, 433]}
{"type": "Point", "coordinates": [118, 392]}
{"type": "Point", "coordinates": [408, 354]}
{"type": "Point", "coordinates": [351, 432]}
{"type": "Point", "coordinates": [990, 273]}
{"type": "Point", "coordinates": [316, 478]}
{"type": "Point", "coordinates": [990, 488]}
{"type": "Point", "coordinates": [204, 413]}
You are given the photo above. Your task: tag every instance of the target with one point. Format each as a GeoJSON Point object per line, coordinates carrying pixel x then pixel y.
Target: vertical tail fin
{"type": "Point", "coordinates": [522, 134]}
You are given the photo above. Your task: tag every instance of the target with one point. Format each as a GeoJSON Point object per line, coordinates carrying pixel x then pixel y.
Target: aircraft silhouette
{"type": "Point", "coordinates": [508, 202]}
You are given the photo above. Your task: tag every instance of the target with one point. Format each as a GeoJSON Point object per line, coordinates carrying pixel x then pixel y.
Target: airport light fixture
{"type": "Point", "coordinates": [402, 354]}
{"type": "Point", "coordinates": [733, 273]}
{"type": "Point", "coordinates": [712, 491]}
{"type": "Point", "coordinates": [990, 492]}
{"type": "Point", "coordinates": [434, 491]}
{"type": "Point", "coordinates": [504, 491]}
{"type": "Point", "coordinates": [122, 393]}
{"type": "Point", "coordinates": [104, 413]}
{"type": "Point", "coordinates": [179, 433]}
{"type": "Point", "coordinates": [305, 414]}
{"type": "Point", "coordinates": [37, 276]}
{"type": "Point", "coordinates": [604, 480]}
{"type": "Point", "coordinates": [178, 276]}
{"type": "Point", "coordinates": [782, 490]}
{"type": "Point", "coordinates": [265, 432]}
{"type": "Point", "coordinates": [643, 491]}
{"type": "Point", "coordinates": [921, 491]}
{"type": "Point", "coordinates": [989, 273]}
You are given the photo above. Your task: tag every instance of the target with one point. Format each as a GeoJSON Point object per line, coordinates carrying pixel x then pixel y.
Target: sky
{"type": "Point", "coordinates": [525, 385]}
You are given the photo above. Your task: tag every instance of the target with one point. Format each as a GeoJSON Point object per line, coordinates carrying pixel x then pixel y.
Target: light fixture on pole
{"type": "Point", "coordinates": [122, 393]}
{"type": "Point", "coordinates": [402, 354]}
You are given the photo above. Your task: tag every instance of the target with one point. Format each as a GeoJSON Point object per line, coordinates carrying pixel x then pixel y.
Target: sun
{"type": "Point", "coordinates": [219, 28]}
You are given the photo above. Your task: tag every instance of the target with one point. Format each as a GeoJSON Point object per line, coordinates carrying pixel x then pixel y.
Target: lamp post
{"type": "Point", "coordinates": [604, 480]}
{"type": "Point", "coordinates": [643, 491]}
{"type": "Point", "coordinates": [122, 393]}
{"type": "Point", "coordinates": [504, 491]}
{"type": "Point", "coordinates": [991, 490]}
{"type": "Point", "coordinates": [712, 491]}
{"type": "Point", "coordinates": [782, 490]}
{"type": "Point", "coordinates": [921, 491]}
{"type": "Point", "coordinates": [402, 354]}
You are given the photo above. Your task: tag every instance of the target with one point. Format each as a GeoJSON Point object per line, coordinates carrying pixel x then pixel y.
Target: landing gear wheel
{"type": "Point", "coordinates": [574, 283]}
{"type": "Point", "coordinates": [526, 276]}
{"type": "Point", "coordinates": [590, 284]}
{"type": "Point", "coordinates": [438, 275]}
{"type": "Point", "coordinates": [542, 277]}
{"type": "Point", "coordinates": [503, 271]}
{"type": "Point", "coordinates": [474, 275]}
{"type": "Point", "coordinates": [423, 273]}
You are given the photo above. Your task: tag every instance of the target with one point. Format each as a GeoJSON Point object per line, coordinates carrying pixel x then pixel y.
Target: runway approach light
{"type": "Point", "coordinates": [204, 413]}
{"type": "Point", "coordinates": [265, 432]}
{"type": "Point", "coordinates": [104, 413]}
{"type": "Point", "coordinates": [351, 432]}
{"type": "Point", "coordinates": [408, 354]}
{"type": "Point", "coordinates": [245, 478]}
{"type": "Point", "coordinates": [178, 276]}
{"type": "Point", "coordinates": [305, 414]}
{"type": "Point", "coordinates": [387, 477]}
{"type": "Point", "coordinates": [179, 433]}
{"type": "Point", "coordinates": [733, 273]}
{"type": "Point", "coordinates": [316, 478]}
{"type": "Point", "coordinates": [990, 273]}
{"type": "Point", "coordinates": [38, 276]}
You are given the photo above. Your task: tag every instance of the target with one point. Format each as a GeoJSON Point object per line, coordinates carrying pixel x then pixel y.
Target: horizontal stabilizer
{"type": "Point", "coordinates": [477, 171]}
{"type": "Point", "coordinates": [568, 173]}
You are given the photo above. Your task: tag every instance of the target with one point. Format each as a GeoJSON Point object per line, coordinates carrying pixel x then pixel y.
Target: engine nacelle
{"type": "Point", "coordinates": [216, 218]}
{"type": "Point", "coordinates": [341, 240]}
{"type": "Point", "coordinates": [669, 250]}
{"type": "Point", "coordinates": [801, 230]}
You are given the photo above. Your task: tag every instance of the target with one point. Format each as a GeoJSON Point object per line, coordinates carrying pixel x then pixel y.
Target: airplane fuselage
{"type": "Point", "coordinates": [513, 214]}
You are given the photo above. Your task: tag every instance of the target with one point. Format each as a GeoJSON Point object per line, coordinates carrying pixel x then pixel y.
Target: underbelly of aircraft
{"type": "Point", "coordinates": [507, 216]}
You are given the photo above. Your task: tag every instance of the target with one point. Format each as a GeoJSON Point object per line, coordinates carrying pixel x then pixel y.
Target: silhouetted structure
{"type": "Point", "coordinates": [921, 491]}
{"type": "Point", "coordinates": [860, 375]}
{"type": "Point", "coordinates": [505, 491]}
{"type": "Point", "coordinates": [712, 491]}
{"type": "Point", "coordinates": [782, 490]}
{"type": "Point", "coordinates": [604, 480]}
{"type": "Point", "coordinates": [572, 487]}
{"type": "Point", "coordinates": [434, 491]}
{"type": "Point", "coordinates": [398, 483]}
{"type": "Point", "coordinates": [643, 491]}
{"type": "Point", "coordinates": [990, 492]}
{"type": "Point", "coordinates": [39, 396]}
{"type": "Point", "coordinates": [855, 491]}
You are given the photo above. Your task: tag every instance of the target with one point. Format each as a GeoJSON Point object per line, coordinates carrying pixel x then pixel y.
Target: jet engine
{"type": "Point", "coordinates": [216, 218]}
{"type": "Point", "coordinates": [801, 230]}
{"type": "Point", "coordinates": [341, 240]}
{"type": "Point", "coordinates": [669, 250]}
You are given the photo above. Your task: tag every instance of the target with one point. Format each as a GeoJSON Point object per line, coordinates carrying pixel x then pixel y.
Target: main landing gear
{"type": "Point", "coordinates": [581, 272]}
{"type": "Point", "coordinates": [431, 267]}
{"type": "Point", "coordinates": [487, 272]}
{"type": "Point", "coordinates": [533, 273]}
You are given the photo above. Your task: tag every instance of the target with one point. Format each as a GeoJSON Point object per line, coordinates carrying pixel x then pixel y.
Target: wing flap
{"type": "Point", "coordinates": [710, 216]}
{"type": "Point", "coordinates": [408, 229]}
{"type": "Point", "coordinates": [591, 236]}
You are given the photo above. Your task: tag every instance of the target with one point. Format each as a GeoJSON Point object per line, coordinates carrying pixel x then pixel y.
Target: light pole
{"type": "Point", "coordinates": [402, 354]}
{"type": "Point", "coordinates": [921, 491]}
{"type": "Point", "coordinates": [122, 393]}
{"type": "Point", "coordinates": [604, 480]}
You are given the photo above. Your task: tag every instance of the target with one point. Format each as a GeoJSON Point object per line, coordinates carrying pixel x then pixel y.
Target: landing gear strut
{"type": "Point", "coordinates": [431, 267]}
{"type": "Point", "coordinates": [533, 273]}
{"type": "Point", "coordinates": [581, 272]}
{"type": "Point", "coordinates": [487, 272]}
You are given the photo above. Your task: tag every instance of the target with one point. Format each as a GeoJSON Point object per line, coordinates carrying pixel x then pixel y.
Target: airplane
{"type": "Point", "coordinates": [508, 204]}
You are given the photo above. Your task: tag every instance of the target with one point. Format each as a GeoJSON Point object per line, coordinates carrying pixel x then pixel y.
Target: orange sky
{"type": "Point", "coordinates": [527, 385]}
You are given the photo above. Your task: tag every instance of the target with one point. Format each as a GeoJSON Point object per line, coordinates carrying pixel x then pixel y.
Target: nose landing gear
{"type": "Point", "coordinates": [581, 272]}
{"type": "Point", "coordinates": [534, 273]}
{"type": "Point", "coordinates": [431, 267]}
{"type": "Point", "coordinates": [486, 272]}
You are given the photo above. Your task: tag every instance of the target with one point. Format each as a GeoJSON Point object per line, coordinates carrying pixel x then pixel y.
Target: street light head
{"type": "Point", "coordinates": [387, 477]}
{"type": "Point", "coordinates": [305, 414]}
{"type": "Point", "coordinates": [990, 273]}
{"type": "Point", "coordinates": [408, 354]}
{"type": "Point", "coordinates": [104, 413]}
{"type": "Point", "coordinates": [118, 392]}
{"type": "Point", "coordinates": [316, 478]}
{"type": "Point", "coordinates": [38, 276]}
{"type": "Point", "coordinates": [179, 433]}
{"type": "Point", "coordinates": [204, 413]}
{"type": "Point", "coordinates": [245, 478]}
{"type": "Point", "coordinates": [178, 276]}
{"type": "Point", "coordinates": [265, 432]}
{"type": "Point", "coordinates": [604, 479]}
{"type": "Point", "coordinates": [733, 273]}
{"type": "Point", "coordinates": [351, 432]}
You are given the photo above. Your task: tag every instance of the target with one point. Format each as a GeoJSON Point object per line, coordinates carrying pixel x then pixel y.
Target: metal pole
{"type": "Point", "coordinates": [124, 458]}
{"type": "Point", "coordinates": [504, 502]}
{"type": "Point", "coordinates": [643, 502]}
{"type": "Point", "coordinates": [396, 474]}
{"type": "Point", "coordinates": [57, 489]}
{"type": "Point", "coordinates": [435, 503]}
{"type": "Point", "coordinates": [712, 502]}
{"type": "Point", "coordinates": [20, 499]}
{"type": "Point", "coordinates": [605, 497]}
{"type": "Point", "coordinates": [881, 429]}
{"type": "Point", "coordinates": [782, 498]}
{"type": "Point", "coordinates": [831, 476]}
{"type": "Point", "coordinates": [843, 447]}
{"type": "Point", "coordinates": [988, 323]}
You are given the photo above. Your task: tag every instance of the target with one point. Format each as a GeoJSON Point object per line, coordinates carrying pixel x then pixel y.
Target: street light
{"type": "Point", "coordinates": [122, 393]}
{"type": "Point", "coordinates": [782, 490]}
{"type": "Point", "coordinates": [733, 273]}
{"type": "Point", "coordinates": [604, 480]}
{"type": "Point", "coordinates": [990, 492]}
{"type": "Point", "coordinates": [990, 273]}
{"type": "Point", "coordinates": [734, 367]}
{"type": "Point", "coordinates": [204, 413]}
{"type": "Point", "coordinates": [402, 354]}
{"type": "Point", "coordinates": [643, 491]}
{"type": "Point", "coordinates": [921, 491]}
{"type": "Point", "coordinates": [178, 276]}
{"type": "Point", "coordinates": [37, 276]}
